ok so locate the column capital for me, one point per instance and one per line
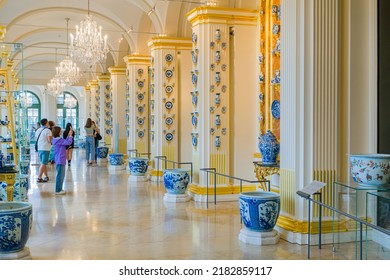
(117, 70)
(93, 83)
(207, 15)
(169, 43)
(137, 59)
(103, 78)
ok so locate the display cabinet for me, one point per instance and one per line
(356, 200)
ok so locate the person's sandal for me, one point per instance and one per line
(46, 179)
(39, 180)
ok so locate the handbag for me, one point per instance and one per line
(98, 136)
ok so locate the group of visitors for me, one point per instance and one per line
(52, 146)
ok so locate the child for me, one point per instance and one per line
(60, 155)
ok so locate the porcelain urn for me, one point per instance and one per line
(269, 148)
(176, 180)
(138, 166)
(259, 210)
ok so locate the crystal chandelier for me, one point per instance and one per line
(25, 100)
(88, 45)
(70, 102)
(67, 69)
(56, 86)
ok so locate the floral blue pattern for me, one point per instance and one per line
(176, 180)
(16, 223)
(102, 152)
(259, 210)
(138, 166)
(269, 148)
(116, 159)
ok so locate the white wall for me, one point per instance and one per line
(245, 101)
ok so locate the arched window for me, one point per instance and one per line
(33, 114)
(67, 110)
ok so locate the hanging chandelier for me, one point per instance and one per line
(25, 100)
(56, 86)
(67, 69)
(88, 45)
(70, 102)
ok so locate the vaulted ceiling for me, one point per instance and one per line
(41, 26)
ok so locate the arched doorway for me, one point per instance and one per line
(68, 110)
(33, 114)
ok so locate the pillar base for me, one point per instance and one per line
(20, 255)
(116, 167)
(258, 238)
(133, 178)
(176, 197)
(101, 161)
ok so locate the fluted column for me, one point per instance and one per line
(137, 102)
(95, 99)
(88, 104)
(165, 95)
(309, 105)
(105, 115)
(118, 91)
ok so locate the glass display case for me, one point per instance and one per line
(353, 199)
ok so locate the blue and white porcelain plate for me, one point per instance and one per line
(141, 84)
(194, 120)
(140, 71)
(168, 105)
(275, 28)
(194, 141)
(169, 137)
(194, 78)
(140, 96)
(194, 100)
(140, 121)
(194, 37)
(141, 109)
(168, 74)
(107, 86)
(275, 109)
(168, 121)
(168, 89)
(169, 58)
(140, 134)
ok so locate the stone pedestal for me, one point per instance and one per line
(258, 238)
(20, 255)
(116, 167)
(102, 161)
(176, 197)
(133, 178)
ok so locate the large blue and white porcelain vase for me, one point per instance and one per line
(138, 166)
(176, 180)
(269, 148)
(16, 223)
(21, 187)
(259, 210)
(116, 159)
(102, 152)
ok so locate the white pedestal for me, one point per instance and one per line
(101, 161)
(116, 167)
(20, 255)
(133, 178)
(258, 238)
(176, 197)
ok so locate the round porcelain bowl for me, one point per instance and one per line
(116, 159)
(16, 223)
(259, 210)
(102, 152)
(138, 166)
(370, 169)
(176, 180)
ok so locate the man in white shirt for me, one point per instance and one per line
(43, 136)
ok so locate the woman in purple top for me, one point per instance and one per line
(59, 145)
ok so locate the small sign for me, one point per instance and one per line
(311, 188)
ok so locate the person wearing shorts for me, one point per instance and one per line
(44, 137)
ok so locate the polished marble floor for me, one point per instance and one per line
(103, 216)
